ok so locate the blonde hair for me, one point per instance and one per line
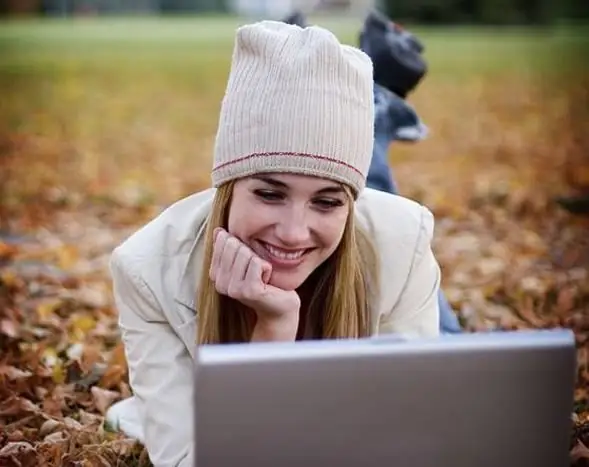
(341, 290)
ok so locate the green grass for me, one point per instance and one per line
(193, 41)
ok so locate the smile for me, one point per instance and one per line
(281, 257)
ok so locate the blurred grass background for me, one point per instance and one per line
(100, 106)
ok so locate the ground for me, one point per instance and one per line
(104, 123)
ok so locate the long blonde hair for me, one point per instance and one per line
(341, 290)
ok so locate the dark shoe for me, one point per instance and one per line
(395, 53)
(297, 18)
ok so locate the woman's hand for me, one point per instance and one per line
(242, 275)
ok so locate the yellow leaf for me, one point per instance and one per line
(9, 278)
(46, 309)
(79, 326)
(58, 373)
(67, 256)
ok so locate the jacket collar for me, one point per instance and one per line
(192, 270)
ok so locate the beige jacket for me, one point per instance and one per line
(155, 272)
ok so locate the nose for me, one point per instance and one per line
(292, 228)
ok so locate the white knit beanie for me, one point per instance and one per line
(297, 101)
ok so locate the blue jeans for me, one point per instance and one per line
(395, 120)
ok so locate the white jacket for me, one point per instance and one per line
(155, 272)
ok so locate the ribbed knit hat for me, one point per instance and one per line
(297, 101)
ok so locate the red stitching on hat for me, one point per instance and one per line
(280, 153)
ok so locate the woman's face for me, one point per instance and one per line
(295, 222)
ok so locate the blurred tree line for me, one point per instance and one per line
(414, 11)
(486, 11)
(73, 7)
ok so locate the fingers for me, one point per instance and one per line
(266, 272)
(225, 268)
(243, 257)
(254, 271)
(231, 270)
(253, 284)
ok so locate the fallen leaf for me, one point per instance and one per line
(13, 373)
(16, 405)
(89, 419)
(72, 424)
(103, 398)
(49, 426)
(9, 328)
(7, 251)
(56, 437)
(67, 256)
(20, 453)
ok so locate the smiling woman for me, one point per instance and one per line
(288, 244)
(297, 233)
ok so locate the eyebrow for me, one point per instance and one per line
(278, 184)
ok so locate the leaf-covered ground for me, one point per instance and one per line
(102, 124)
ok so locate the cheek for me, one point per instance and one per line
(247, 219)
(331, 230)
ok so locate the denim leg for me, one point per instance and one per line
(449, 323)
(380, 176)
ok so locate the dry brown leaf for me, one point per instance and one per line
(49, 426)
(9, 328)
(123, 447)
(92, 296)
(7, 251)
(72, 424)
(103, 398)
(16, 405)
(88, 419)
(56, 437)
(13, 373)
(19, 453)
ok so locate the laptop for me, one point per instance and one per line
(466, 400)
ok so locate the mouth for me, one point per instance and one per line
(282, 257)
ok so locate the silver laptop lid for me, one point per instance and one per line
(482, 400)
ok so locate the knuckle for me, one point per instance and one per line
(234, 291)
(221, 287)
(233, 243)
(245, 249)
(239, 252)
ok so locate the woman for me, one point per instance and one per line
(286, 245)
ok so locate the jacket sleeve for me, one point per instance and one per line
(160, 369)
(416, 313)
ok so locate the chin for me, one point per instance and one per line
(287, 281)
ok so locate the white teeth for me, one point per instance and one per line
(283, 254)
